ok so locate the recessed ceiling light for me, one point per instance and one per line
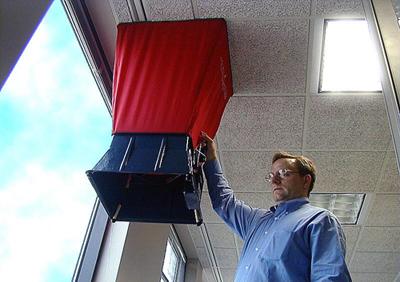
(349, 62)
(346, 207)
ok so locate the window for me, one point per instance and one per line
(174, 261)
(348, 62)
(54, 125)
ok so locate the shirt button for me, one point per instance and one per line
(276, 218)
(266, 232)
(256, 249)
(247, 267)
(286, 213)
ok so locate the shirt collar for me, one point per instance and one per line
(289, 205)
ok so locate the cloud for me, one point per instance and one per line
(44, 80)
(46, 217)
(54, 111)
(52, 75)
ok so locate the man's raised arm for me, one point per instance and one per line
(235, 213)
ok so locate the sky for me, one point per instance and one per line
(54, 126)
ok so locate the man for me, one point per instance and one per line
(292, 241)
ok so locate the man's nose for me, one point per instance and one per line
(276, 179)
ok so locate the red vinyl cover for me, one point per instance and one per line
(171, 77)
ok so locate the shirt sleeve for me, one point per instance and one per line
(328, 249)
(235, 213)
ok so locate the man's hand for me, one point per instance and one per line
(211, 153)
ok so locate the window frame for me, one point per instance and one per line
(78, 15)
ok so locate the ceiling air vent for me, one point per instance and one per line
(346, 207)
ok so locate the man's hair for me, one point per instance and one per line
(303, 164)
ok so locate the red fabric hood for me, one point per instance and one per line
(171, 77)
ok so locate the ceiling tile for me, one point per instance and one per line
(209, 215)
(390, 178)
(239, 244)
(226, 258)
(228, 274)
(351, 233)
(347, 260)
(262, 123)
(346, 171)
(343, 8)
(251, 9)
(385, 211)
(220, 235)
(168, 9)
(196, 236)
(268, 56)
(245, 171)
(373, 277)
(121, 11)
(380, 239)
(347, 123)
(208, 275)
(390, 146)
(375, 262)
(203, 258)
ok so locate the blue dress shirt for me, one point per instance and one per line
(293, 241)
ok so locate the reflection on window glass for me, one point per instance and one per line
(396, 7)
(349, 62)
(174, 260)
(54, 125)
(170, 263)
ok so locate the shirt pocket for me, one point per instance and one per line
(277, 246)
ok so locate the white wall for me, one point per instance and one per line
(143, 253)
(111, 252)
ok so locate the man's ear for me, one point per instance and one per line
(307, 182)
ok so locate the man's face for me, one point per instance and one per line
(291, 186)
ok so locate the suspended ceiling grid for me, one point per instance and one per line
(275, 47)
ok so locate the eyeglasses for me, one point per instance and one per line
(281, 174)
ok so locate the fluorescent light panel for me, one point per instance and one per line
(346, 207)
(349, 63)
